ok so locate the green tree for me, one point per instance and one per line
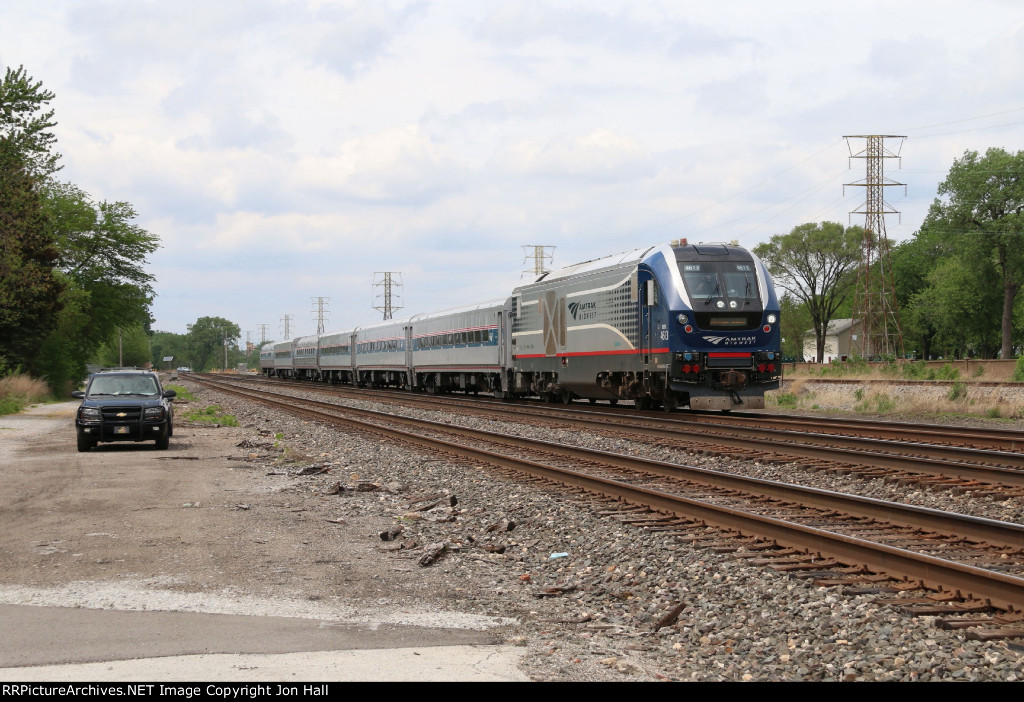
(795, 322)
(981, 205)
(30, 289)
(128, 347)
(166, 344)
(816, 264)
(101, 256)
(25, 123)
(959, 308)
(208, 339)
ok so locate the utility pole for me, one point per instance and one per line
(539, 254)
(875, 295)
(287, 321)
(391, 292)
(319, 310)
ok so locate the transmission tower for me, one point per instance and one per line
(539, 254)
(320, 312)
(874, 300)
(390, 294)
(287, 321)
(263, 333)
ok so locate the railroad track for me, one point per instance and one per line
(965, 460)
(846, 538)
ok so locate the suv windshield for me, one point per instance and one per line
(122, 385)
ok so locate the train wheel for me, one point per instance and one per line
(592, 400)
(614, 401)
(566, 397)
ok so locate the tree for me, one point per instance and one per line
(795, 321)
(101, 255)
(982, 205)
(816, 263)
(208, 338)
(30, 289)
(25, 125)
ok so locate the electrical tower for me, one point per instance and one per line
(539, 254)
(874, 301)
(263, 333)
(390, 294)
(319, 311)
(287, 321)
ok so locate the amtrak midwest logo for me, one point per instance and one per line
(583, 310)
(729, 340)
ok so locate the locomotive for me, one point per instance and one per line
(672, 325)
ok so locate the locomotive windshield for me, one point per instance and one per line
(721, 285)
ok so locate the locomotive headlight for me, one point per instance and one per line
(682, 319)
(771, 319)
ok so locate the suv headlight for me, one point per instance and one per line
(154, 413)
(89, 414)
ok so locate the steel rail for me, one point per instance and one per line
(925, 459)
(998, 589)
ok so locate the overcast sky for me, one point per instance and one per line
(287, 150)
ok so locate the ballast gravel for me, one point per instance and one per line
(583, 592)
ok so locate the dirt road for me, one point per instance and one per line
(147, 536)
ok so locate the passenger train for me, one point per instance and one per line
(671, 325)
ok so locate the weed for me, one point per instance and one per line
(181, 393)
(858, 394)
(884, 403)
(19, 390)
(993, 413)
(213, 415)
(978, 372)
(957, 391)
(786, 399)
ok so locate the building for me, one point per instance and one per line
(840, 335)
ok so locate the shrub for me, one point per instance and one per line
(958, 391)
(884, 403)
(1018, 370)
(786, 399)
(18, 390)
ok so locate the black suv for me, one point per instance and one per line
(124, 405)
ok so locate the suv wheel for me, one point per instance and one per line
(162, 443)
(85, 443)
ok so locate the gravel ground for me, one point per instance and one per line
(583, 592)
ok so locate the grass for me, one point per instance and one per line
(181, 393)
(19, 390)
(211, 414)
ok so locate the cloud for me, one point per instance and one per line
(399, 165)
(359, 33)
(601, 155)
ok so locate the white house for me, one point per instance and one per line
(840, 335)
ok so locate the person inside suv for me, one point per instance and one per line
(124, 406)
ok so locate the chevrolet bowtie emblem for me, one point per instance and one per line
(122, 414)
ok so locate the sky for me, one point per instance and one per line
(290, 150)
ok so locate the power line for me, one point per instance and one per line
(390, 293)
